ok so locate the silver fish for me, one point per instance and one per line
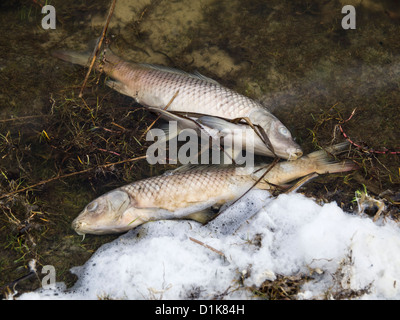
(195, 193)
(157, 86)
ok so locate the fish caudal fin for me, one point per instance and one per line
(324, 166)
(81, 58)
(318, 162)
(324, 163)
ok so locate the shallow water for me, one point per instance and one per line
(293, 56)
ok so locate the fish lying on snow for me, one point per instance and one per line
(156, 86)
(195, 193)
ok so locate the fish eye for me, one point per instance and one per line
(92, 206)
(283, 131)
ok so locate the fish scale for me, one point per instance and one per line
(163, 190)
(196, 94)
(158, 87)
(193, 192)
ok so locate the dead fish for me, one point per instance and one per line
(156, 86)
(194, 192)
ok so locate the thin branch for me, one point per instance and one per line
(97, 48)
(69, 175)
(208, 247)
(24, 118)
(158, 117)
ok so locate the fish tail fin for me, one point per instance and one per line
(81, 58)
(324, 162)
(318, 162)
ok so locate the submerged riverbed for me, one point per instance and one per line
(295, 57)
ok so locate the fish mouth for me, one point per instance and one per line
(82, 228)
(77, 226)
(294, 154)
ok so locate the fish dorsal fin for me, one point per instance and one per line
(203, 77)
(195, 75)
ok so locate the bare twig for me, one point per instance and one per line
(260, 132)
(97, 48)
(25, 118)
(208, 247)
(368, 150)
(69, 175)
(158, 117)
(276, 160)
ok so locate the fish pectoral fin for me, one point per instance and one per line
(205, 215)
(183, 122)
(118, 86)
(217, 123)
(169, 132)
(301, 182)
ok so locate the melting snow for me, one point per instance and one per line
(254, 240)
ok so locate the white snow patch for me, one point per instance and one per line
(255, 240)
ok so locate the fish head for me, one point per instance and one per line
(283, 143)
(106, 214)
(279, 136)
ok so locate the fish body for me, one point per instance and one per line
(192, 193)
(158, 86)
